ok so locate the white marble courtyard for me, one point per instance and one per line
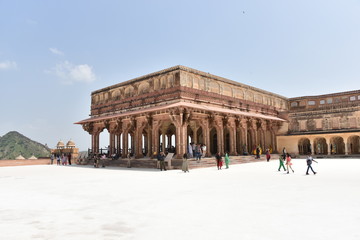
(247, 201)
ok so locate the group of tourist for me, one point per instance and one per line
(219, 162)
(63, 159)
(286, 157)
(99, 159)
(218, 157)
(196, 151)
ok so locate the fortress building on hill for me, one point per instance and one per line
(167, 110)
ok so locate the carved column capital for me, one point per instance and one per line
(88, 127)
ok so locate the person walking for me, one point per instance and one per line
(218, 160)
(309, 161)
(227, 160)
(281, 160)
(185, 163)
(288, 163)
(268, 156)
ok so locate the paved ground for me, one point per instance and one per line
(247, 201)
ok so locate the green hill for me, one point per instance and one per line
(13, 144)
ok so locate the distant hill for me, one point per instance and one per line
(13, 144)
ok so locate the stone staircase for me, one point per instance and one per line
(177, 163)
(211, 162)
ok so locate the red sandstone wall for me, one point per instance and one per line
(25, 162)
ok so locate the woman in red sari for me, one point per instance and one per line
(218, 160)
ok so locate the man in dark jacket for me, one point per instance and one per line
(161, 159)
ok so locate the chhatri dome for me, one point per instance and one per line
(60, 144)
(70, 144)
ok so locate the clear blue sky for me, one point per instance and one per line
(53, 54)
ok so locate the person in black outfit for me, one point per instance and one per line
(284, 152)
(161, 159)
(218, 160)
(69, 158)
(257, 152)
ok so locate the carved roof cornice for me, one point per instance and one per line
(339, 94)
(314, 112)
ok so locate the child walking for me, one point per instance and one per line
(288, 163)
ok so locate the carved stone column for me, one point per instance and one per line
(204, 123)
(155, 136)
(179, 118)
(219, 126)
(329, 146)
(253, 132)
(163, 142)
(141, 123)
(113, 128)
(273, 130)
(127, 124)
(169, 140)
(149, 142)
(263, 128)
(232, 131)
(195, 136)
(112, 142)
(98, 128)
(243, 122)
(347, 146)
